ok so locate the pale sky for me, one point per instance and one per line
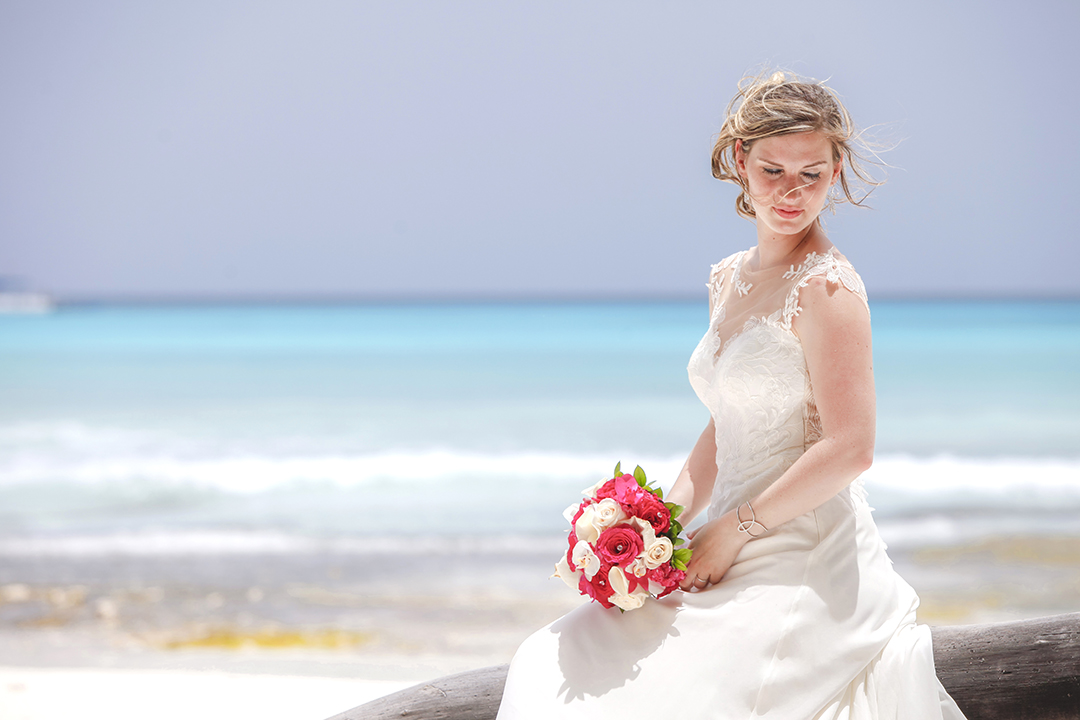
(512, 149)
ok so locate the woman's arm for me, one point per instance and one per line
(835, 332)
(693, 488)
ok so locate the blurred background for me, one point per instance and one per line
(314, 317)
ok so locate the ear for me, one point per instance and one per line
(836, 171)
(740, 159)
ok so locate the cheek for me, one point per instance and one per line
(760, 187)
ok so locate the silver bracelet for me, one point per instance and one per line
(747, 526)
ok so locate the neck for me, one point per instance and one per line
(774, 249)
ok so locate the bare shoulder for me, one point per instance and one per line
(831, 297)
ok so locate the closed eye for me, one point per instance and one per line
(807, 176)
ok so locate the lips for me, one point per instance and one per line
(786, 213)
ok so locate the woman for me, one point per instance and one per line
(792, 609)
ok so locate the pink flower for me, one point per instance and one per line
(627, 489)
(607, 490)
(666, 576)
(619, 545)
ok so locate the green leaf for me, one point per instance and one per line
(676, 510)
(639, 475)
(680, 557)
(679, 541)
(618, 469)
(659, 492)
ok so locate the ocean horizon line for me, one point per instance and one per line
(361, 300)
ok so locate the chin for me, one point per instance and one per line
(791, 227)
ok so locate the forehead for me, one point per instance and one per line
(794, 148)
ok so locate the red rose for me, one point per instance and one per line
(619, 545)
(597, 588)
(652, 510)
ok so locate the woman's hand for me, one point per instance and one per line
(716, 544)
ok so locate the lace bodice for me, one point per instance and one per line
(750, 371)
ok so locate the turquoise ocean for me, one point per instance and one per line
(245, 428)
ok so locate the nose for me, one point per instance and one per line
(791, 188)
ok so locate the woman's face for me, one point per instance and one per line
(789, 177)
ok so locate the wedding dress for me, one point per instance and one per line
(811, 621)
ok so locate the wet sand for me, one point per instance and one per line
(328, 622)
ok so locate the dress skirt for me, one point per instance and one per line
(811, 621)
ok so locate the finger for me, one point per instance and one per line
(698, 584)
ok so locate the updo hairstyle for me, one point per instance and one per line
(781, 104)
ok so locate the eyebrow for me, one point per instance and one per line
(773, 162)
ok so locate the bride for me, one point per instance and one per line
(791, 607)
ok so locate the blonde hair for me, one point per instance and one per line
(781, 104)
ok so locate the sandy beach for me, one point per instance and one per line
(307, 636)
(35, 694)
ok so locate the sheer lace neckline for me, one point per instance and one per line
(743, 277)
(789, 269)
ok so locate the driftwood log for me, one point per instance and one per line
(1027, 670)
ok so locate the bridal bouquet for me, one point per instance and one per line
(623, 543)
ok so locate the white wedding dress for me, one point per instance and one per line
(810, 622)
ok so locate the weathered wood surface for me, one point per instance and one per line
(1026, 670)
(472, 695)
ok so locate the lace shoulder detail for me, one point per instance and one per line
(834, 269)
(716, 279)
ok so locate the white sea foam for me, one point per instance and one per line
(938, 479)
(204, 542)
(252, 474)
(415, 502)
(945, 529)
(988, 477)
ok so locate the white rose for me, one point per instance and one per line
(564, 573)
(658, 553)
(585, 559)
(608, 512)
